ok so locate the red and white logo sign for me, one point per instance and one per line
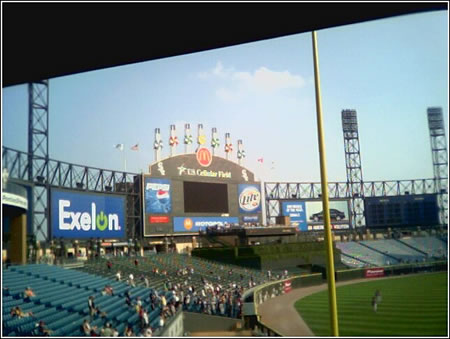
(204, 157)
(374, 272)
(287, 286)
(155, 219)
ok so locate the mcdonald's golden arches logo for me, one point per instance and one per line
(204, 157)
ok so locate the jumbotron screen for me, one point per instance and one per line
(202, 197)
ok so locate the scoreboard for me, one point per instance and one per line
(402, 211)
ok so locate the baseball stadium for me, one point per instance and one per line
(198, 245)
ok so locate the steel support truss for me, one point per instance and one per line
(38, 154)
(59, 174)
(276, 192)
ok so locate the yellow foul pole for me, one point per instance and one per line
(326, 210)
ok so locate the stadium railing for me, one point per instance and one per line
(257, 295)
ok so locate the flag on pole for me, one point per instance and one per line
(119, 147)
(135, 147)
(261, 160)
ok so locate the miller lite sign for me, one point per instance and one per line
(249, 198)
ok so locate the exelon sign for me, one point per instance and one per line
(84, 220)
(82, 215)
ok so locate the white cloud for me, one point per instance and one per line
(261, 81)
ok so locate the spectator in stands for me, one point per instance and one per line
(107, 331)
(144, 318)
(100, 313)
(109, 265)
(128, 299)
(136, 262)
(86, 327)
(118, 276)
(131, 280)
(128, 332)
(172, 308)
(42, 330)
(28, 293)
(147, 283)
(17, 312)
(146, 332)
(161, 319)
(91, 305)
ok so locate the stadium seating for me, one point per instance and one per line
(393, 248)
(61, 300)
(432, 246)
(365, 254)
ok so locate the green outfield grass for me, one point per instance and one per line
(411, 306)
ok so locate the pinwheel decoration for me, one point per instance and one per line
(241, 154)
(228, 148)
(173, 141)
(158, 144)
(188, 139)
(215, 142)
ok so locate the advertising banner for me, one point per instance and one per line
(195, 224)
(158, 219)
(250, 218)
(333, 227)
(297, 212)
(249, 198)
(157, 196)
(339, 212)
(85, 215)
(374, 272)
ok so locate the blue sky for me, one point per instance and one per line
(389, 70)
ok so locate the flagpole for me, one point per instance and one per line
(324, 181)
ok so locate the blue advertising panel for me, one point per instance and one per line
(297, 212)
(157, 196)
(195, 224)
(250, 218)
(84, 215)
(249, 198)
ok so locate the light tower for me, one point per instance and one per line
(38, 155)
(440, 161)
(353, 165)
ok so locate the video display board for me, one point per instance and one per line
(202, 197)
(402, 211)
(308, 214)
(85, 215)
